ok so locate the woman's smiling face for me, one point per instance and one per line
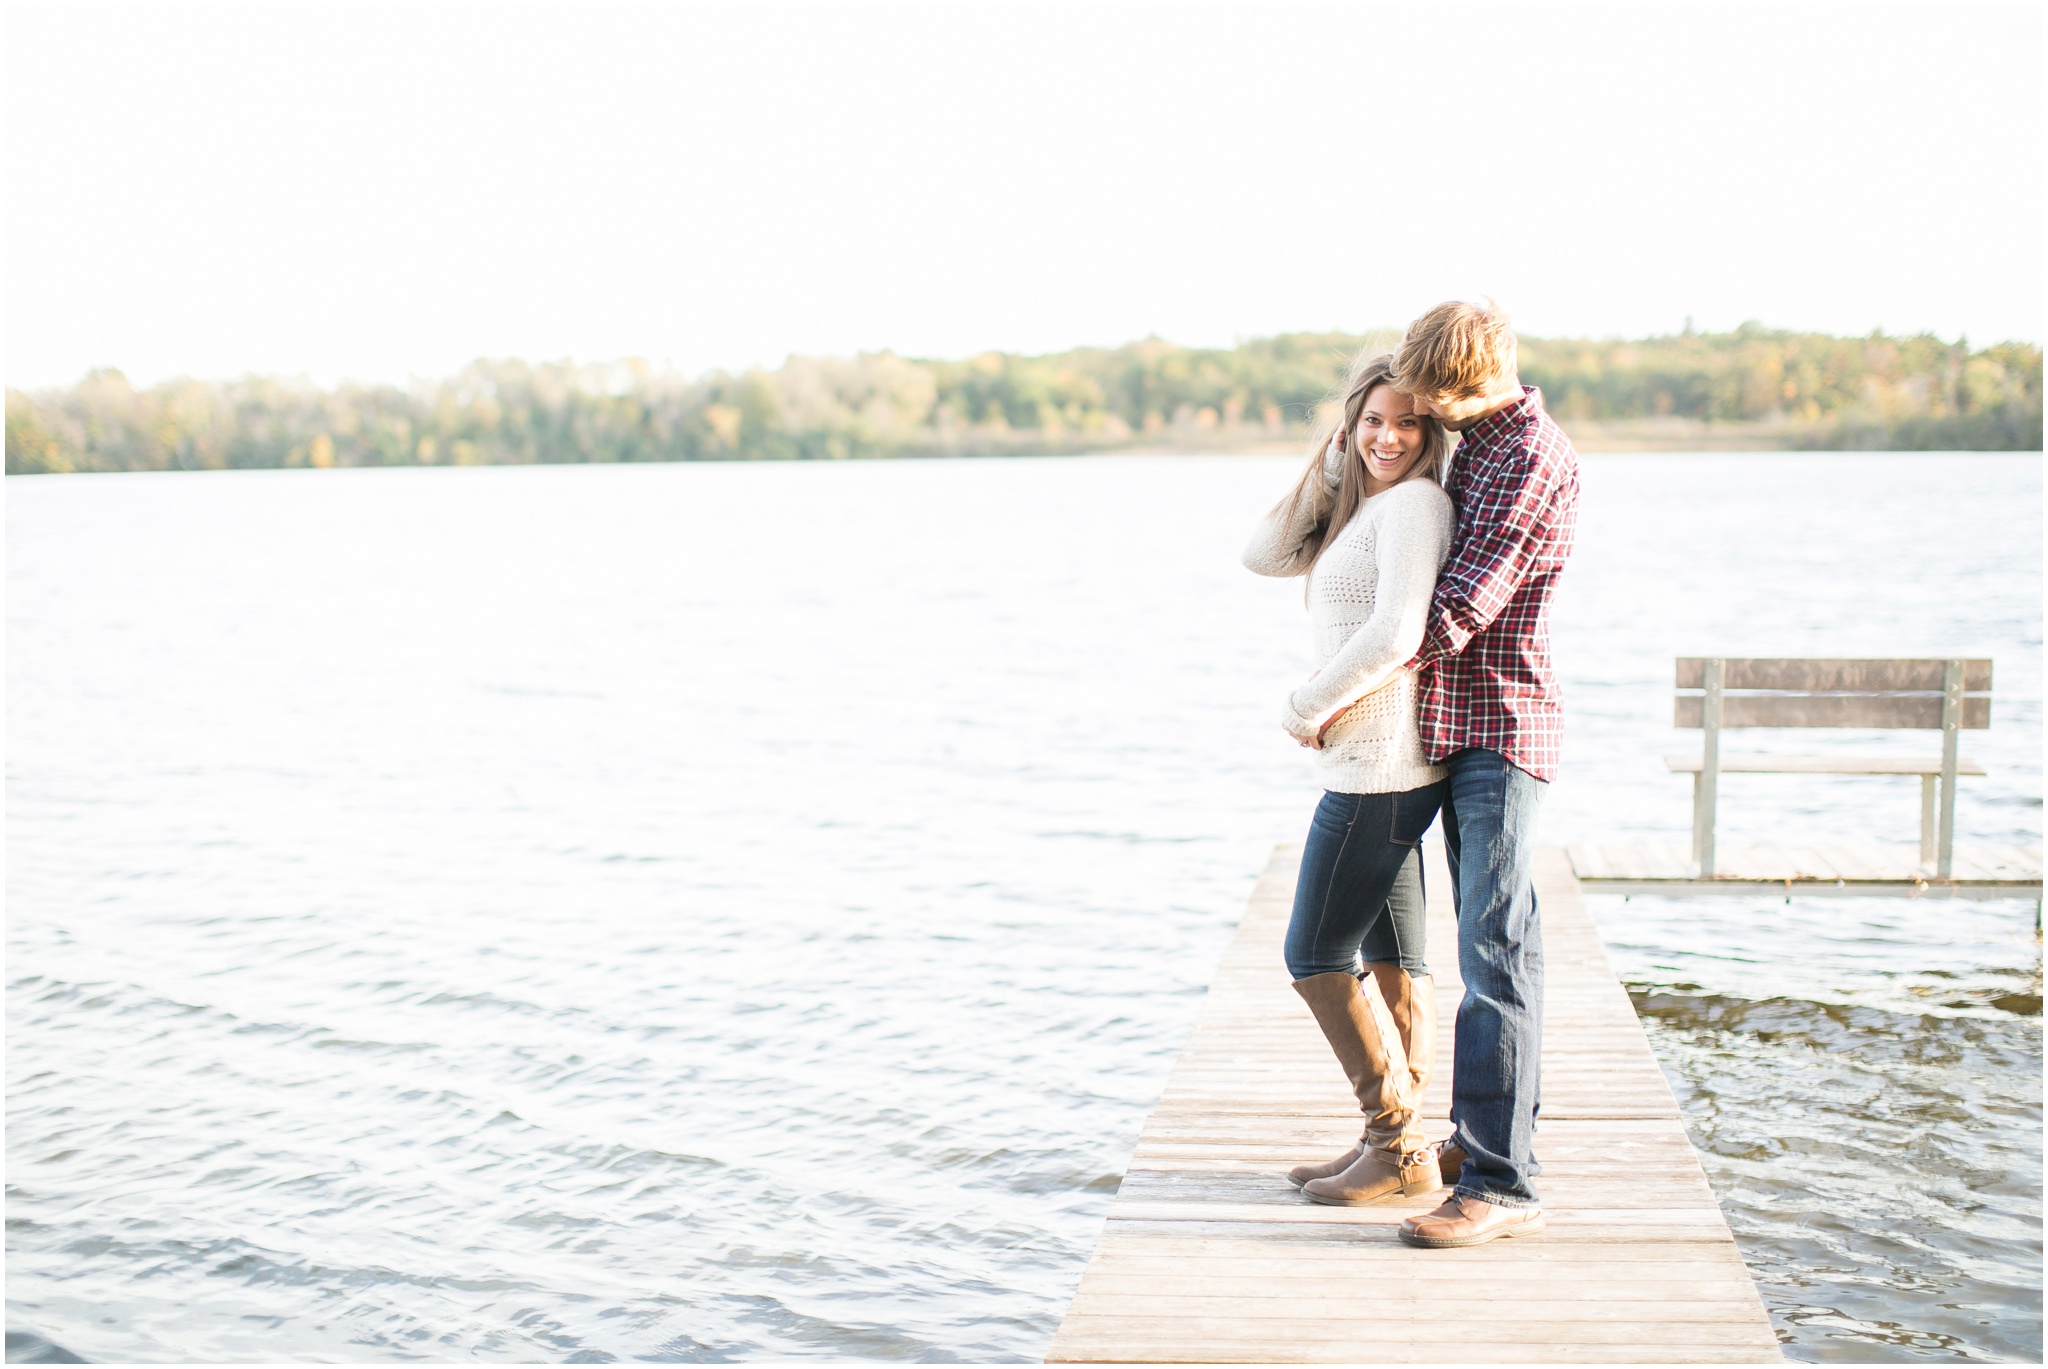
(1388, 437)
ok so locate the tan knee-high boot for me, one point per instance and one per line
(1389, 1158)
(1412, 1005)
(1411, 1002)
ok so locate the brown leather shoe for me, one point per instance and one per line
(1377, 1176)
(1301, 1174)
(1463, 1221)
(1450, 1159)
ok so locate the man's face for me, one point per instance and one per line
(1452, 413)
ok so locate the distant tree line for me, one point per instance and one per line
(1870, 393)
(1808, 390)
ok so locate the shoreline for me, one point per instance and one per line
(1640, 438)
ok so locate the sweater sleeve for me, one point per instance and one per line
(1408, 553)
(1279, 542)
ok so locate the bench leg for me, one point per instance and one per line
(1927, 819)
(1703, 824)
(1695, 819)
(1706, 785)
(1951, 729)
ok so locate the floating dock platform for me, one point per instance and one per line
(1838, 871)
(1210, 1256)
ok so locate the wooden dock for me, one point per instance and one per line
(1814, 870)
(1210, 1256)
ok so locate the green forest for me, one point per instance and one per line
(1754, 387)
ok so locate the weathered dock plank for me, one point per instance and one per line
(1210, 1256)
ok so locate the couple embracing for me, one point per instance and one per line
(1429, 583)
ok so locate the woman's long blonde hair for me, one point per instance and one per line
(1368, 373)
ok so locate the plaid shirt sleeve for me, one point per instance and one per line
(1504, 532)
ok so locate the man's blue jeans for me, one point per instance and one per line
(1489, 821)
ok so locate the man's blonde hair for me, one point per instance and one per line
(1455, 351)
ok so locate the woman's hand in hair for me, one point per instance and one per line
(1333, 461)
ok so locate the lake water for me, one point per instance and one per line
(720, 912)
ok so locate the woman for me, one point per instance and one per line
(1369, 525)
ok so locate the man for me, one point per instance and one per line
(1491, 713)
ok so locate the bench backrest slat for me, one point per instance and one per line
(1829, 710)
(1832, 676)
(1796, 691)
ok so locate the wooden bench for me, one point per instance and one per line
(1720, 692)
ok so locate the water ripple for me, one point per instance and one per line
(541, 915)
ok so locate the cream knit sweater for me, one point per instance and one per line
(1368, 602)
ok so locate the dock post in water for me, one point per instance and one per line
(1209, 1255)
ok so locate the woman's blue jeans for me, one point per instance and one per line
(1360, 896)
(1490, 842)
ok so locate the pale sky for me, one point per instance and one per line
(378, 193)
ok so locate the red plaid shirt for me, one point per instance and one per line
(1485, 658)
